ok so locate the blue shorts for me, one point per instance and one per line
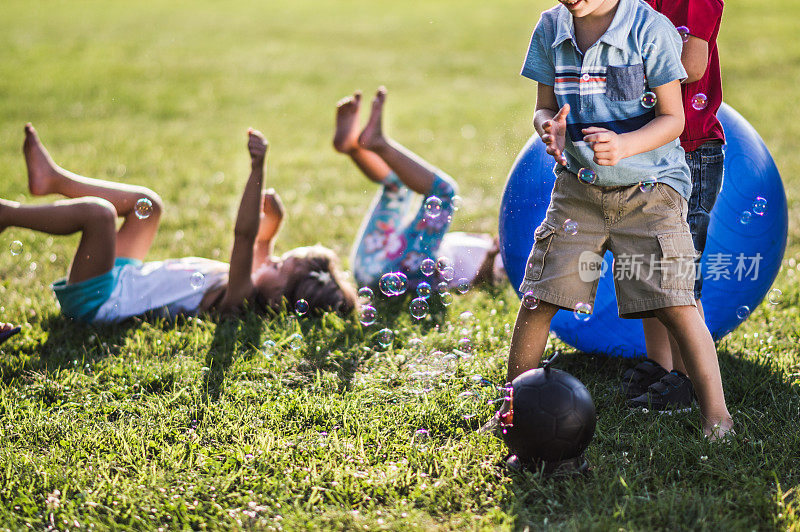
(706, 166)
(81, 301)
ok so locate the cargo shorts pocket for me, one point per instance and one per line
(677, 264)
(624, 82)
(543, 237)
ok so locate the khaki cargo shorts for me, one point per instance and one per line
(646, 230)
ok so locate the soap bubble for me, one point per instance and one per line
(529, 301)
(465, 345)
(442, 263)
(421, 434)
(433, 207)
(463, 285)
(683, 31)
(647, 184)
(582, 312)
(570, 227)
(427, 267)
(745, 218)
(197, 280)
(390, 284)
(775, 296)
(418, 308)
(368, 315)
(442, 288)
(296, 341)
(143, 208)
(365, 294)
(456, 202)
(648, 49)
(446, 298)
(403, 286)
(385, 337)
(699, 101)
(301, 306)
(743, 312)
(448, 273)
(466, 316)
(760, 206)
(415, 345)
(587, 175)
(15, 247)
(649, 100)
(268, 348)
(424, 290)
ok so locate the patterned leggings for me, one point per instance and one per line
(395, 238)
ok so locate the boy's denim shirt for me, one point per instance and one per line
(641, 49)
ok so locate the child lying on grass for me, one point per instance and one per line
(108, 280)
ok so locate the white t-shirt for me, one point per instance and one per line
(172, 287)
(468, 251)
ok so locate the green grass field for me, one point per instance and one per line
(194, 425)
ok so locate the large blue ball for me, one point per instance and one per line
(750, 172)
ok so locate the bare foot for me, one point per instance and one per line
(372, 137)
(42, 171)
(719, 431)
(345, 140)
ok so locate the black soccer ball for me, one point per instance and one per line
(552, 417)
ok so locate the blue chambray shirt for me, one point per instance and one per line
(641, 49)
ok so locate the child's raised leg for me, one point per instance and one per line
(95, 218)
(700, 357)
(135, 236)
(345, 139)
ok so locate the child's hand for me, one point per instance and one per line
(605, 144)
(257, 145)
(272, 213)
(555, 134)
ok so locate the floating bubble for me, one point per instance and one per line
(15, 247)
(365, 294)
(760, 206)
(466, 316)
(427, 267)
(143, 208)
(745, 218)
(699, 101)
(446, 298)
(433, 207)
(465, 345)
(390, 284)
(268, 348)
(647, 184)
(683, 31)
(529, 301)
(197, 280)
(424, 290)
(442, 288)
(456, 202)
(649, 100)
(582, 312)
(587, 175)
(415, 345)
(648, 49)
(421, 434)
(448, 273)
(385, 337)
(463, 285)
(442, 263)
(743, 312)
(775, 296)
(418, 308)
(368, 315)
(296, 341)
(403, 286)
(301, 307)
(570, 227)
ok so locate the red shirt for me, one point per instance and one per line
(703, 18)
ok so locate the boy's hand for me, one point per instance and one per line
(606, 145)
(272, 213)
(555, 134)
(257, 145)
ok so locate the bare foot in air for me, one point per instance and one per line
(372, 137)
(42, 171)
(345, 140)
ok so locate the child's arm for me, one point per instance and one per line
(550, 121)
(240, 285)
(694, 58)
(272, 214)
(610, 147)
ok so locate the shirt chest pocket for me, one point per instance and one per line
(624, 82)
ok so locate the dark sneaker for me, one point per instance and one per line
(637, 379)
(674, 393)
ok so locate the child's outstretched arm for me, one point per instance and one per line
(551, 122)
(609, 147)
(240, 285)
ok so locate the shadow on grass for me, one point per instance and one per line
(646, 466)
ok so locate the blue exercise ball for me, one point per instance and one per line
(738, 237)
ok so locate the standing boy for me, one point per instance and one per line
(660, 382)
(609, 109)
